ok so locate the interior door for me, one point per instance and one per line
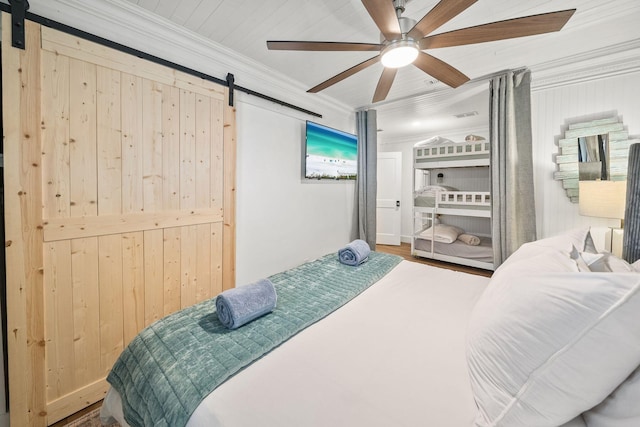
(119, 209)
(388, 209)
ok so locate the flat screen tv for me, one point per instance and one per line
(329, 153)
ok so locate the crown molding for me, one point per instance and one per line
(126, 23)
(619, 59)
(614, 60)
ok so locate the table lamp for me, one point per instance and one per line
(605, 199)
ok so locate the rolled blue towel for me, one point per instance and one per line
(355, 253)
(243, 304)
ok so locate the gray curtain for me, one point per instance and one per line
(513, 203)
(366, 186)
(631, 233)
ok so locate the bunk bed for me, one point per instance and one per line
(435, 206)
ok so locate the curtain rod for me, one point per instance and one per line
(229, 82)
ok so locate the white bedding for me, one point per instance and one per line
(482, 252)
(394, 356)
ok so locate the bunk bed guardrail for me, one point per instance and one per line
(456, 150)
(464, 198)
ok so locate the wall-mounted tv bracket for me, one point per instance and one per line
(18, 11)
(231, 84)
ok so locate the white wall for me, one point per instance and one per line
(283, 219)
(552, 109)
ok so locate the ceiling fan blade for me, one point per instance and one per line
(442, 13)
(322, 46)
(502, 30)
(384, 84)
(440, 70)
(384, 15)
(343, 75)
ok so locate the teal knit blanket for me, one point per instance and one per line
(172, 365)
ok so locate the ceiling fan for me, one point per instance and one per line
(403, 40)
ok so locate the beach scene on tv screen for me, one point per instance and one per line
(331, 154)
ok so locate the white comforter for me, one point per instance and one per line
(394, 356)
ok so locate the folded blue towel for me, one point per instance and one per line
(355, 253)
(243, 304)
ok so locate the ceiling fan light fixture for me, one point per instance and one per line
(399, 53)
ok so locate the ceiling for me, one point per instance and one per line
(416, 103)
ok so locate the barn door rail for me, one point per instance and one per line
(19, 12)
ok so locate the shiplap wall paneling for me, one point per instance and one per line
(130, 172)
(552, 110)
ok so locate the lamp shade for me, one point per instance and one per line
(604, 199)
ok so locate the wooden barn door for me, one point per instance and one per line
(119, 184)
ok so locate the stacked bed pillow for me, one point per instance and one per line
(556, 335)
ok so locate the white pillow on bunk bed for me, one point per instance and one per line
(436, 188)
(434, 140)
(432, 191)
(549, 343)
(442, 233)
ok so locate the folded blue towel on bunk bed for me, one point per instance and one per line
(241, 305)
(355, 253)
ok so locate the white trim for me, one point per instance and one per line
(619, 59)
(443, 95)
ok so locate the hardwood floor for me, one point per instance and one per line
(74, 419)
(404, 250)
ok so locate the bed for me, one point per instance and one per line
(444, 197)
(415, 347)
(470, 209)
(482, 253)
(447, 242)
